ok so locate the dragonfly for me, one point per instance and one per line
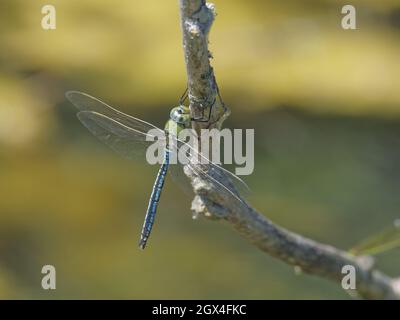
(129, 136)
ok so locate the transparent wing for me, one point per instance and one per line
(85, 102)
(123, 133)
(213, 172)
(218, 177)
(126, 141)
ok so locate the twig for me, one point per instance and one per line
(305, 254)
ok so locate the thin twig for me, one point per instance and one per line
(305, 254)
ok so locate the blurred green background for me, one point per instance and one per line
(324, 102)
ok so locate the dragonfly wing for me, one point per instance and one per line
(218, 177)
(219, 182)
(213, 171)
(123, 133)
(233, 182)
(85, 102)
(125, 140)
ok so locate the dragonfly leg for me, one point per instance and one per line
(211, 108)
(183, 97)
(203, 118)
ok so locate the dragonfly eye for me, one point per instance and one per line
(179, 115)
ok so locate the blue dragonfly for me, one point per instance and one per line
(129, 136)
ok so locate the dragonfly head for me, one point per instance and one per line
(179, 119)
(181, 116)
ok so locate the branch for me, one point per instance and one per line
(305, 254)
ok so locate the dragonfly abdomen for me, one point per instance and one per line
(153, 202)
